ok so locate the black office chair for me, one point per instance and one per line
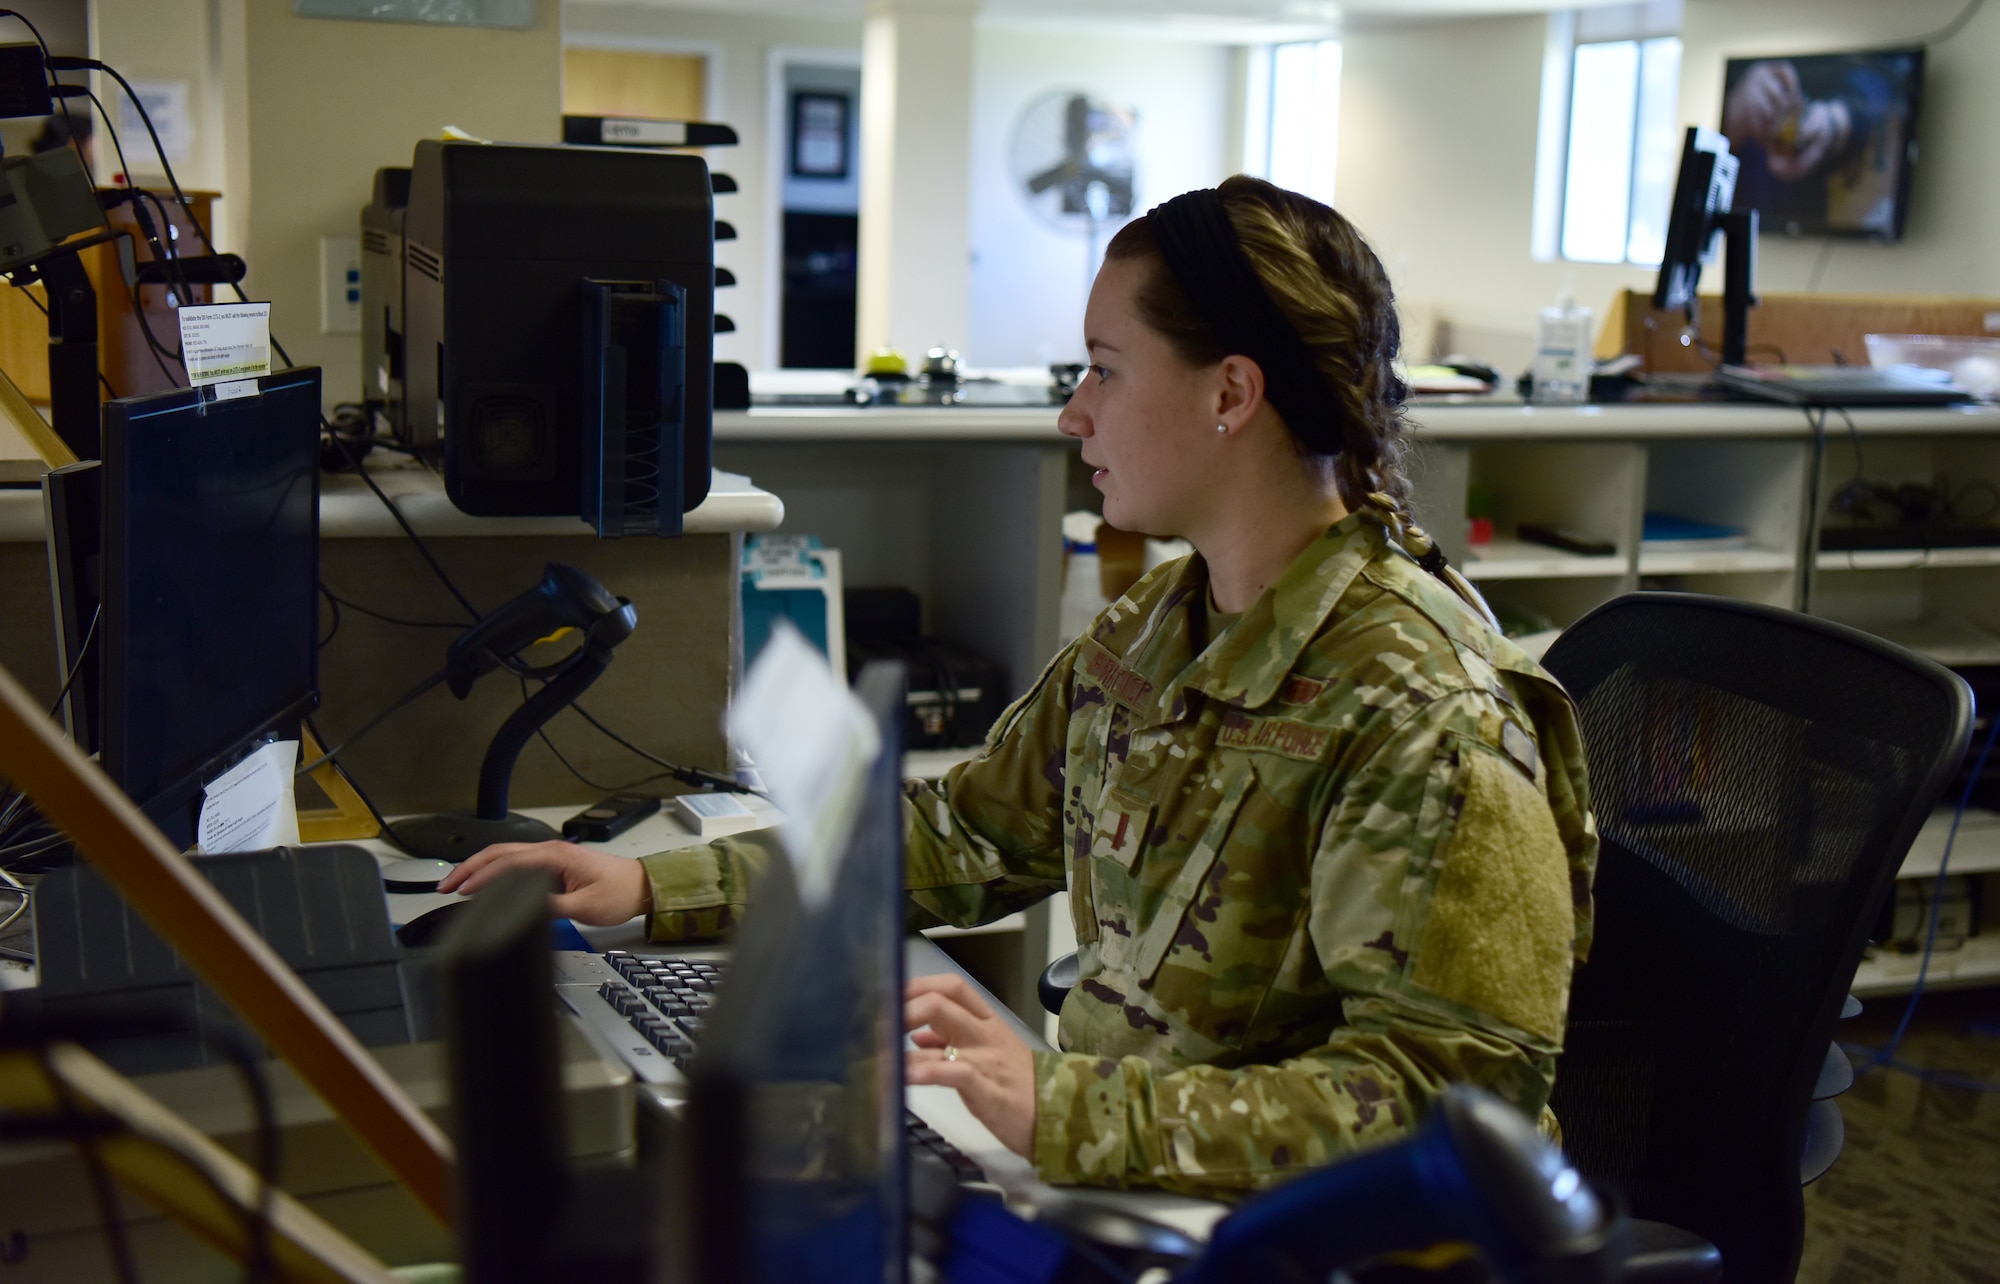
(1757, 776)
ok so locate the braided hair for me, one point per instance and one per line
(1330, 288)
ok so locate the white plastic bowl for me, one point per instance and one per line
(1973, 363)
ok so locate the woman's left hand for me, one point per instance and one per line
(962, 1044)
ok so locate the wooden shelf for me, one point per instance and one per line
(1515, 559)
(1977, 962)
(1738, 561)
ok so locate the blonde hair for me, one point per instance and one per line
(1331, 289)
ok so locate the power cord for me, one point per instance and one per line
(384, 616)
(404, 701)
(117, 1242)
(82, 655)
(14, 885)
(1953, 27)
(48, 60)
(43, 308)
(333, 629)
(1819, 266)
(686, 775)
(543, 733)
(160, 151)
(348, 776)
(423, 549)
(84, 1130)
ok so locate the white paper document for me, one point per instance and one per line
(250, 806)
(813, 741)
(225, 341)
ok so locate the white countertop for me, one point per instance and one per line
(348, 511)
(1432, 418)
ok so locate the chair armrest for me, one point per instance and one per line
(1056, 981)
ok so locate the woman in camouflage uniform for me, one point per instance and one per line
(1325, 832)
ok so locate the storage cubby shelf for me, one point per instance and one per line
(1906, 559)
(1742, 561)
(1514, 559)
(1977, 962)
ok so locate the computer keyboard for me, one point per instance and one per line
(664, 1002)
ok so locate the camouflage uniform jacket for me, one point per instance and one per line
(1333, 862)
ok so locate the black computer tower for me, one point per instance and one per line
(499, 241)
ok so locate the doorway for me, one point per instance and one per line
(627, 82)
(817, 137)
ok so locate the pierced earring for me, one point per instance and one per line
(1222, 428)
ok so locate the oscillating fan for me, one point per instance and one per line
(1072, 157)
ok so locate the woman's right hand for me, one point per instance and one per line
(595, 888)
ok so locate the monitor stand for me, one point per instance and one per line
(1739, 271)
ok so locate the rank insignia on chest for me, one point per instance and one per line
(1122, 822)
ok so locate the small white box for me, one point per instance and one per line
(713, 815)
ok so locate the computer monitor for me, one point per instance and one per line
(1700, 214)
(559, 309)
(209, 586)
(1827, 140)
(797, 1172)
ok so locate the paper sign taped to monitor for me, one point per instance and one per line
(252, 805)
(225, 341)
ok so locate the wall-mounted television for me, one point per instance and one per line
(1827, 141)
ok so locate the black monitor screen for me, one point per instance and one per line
(211, 567)
(1702, 191)
(1826, 140)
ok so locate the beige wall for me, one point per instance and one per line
(739, 49)
(1437, 158)
(166, 40)
(331, 101)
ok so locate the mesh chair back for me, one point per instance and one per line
(1757, 776)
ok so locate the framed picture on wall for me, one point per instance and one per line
(819, 134)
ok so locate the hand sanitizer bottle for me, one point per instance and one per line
(1562, 352)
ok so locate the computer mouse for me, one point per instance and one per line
(415, 875)
(425, 929)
